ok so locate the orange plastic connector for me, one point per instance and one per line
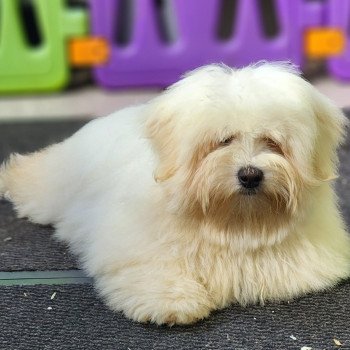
(88, 51)
(324, 42)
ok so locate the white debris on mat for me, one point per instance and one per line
(49, 308)
(306, 348)
(293, 337)
(53, 295)
(337, 342)
(25, 294)
(7, 239)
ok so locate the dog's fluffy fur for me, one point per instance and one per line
(150, 200)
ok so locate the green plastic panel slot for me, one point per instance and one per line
(33, 43)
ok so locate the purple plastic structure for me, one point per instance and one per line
(339, 16)
(147, 60)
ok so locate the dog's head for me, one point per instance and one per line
(243, 148)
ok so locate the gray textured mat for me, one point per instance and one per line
(24, 246)
(343, 182)
(24, 137)
(78, 320)
(27, 247)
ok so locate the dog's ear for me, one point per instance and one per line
(331, 130)
(161, 130)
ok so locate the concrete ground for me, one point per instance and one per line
(86, 102)
(94, 102)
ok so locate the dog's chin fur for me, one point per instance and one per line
(249, 219)
(150, 199)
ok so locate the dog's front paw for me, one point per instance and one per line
(161, 301)
(170, 311)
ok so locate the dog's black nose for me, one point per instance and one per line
(250, 177)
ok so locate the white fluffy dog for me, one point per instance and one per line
(217, 191)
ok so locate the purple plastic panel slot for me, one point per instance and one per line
(147, 59)
(339, 16)
(313, 13)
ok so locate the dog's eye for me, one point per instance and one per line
(273, 145)
(227, 141)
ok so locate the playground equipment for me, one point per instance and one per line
(153, 42)
(165, 38)
(33, 51)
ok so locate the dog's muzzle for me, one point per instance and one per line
(250, 179)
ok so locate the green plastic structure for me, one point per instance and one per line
(39, 63)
